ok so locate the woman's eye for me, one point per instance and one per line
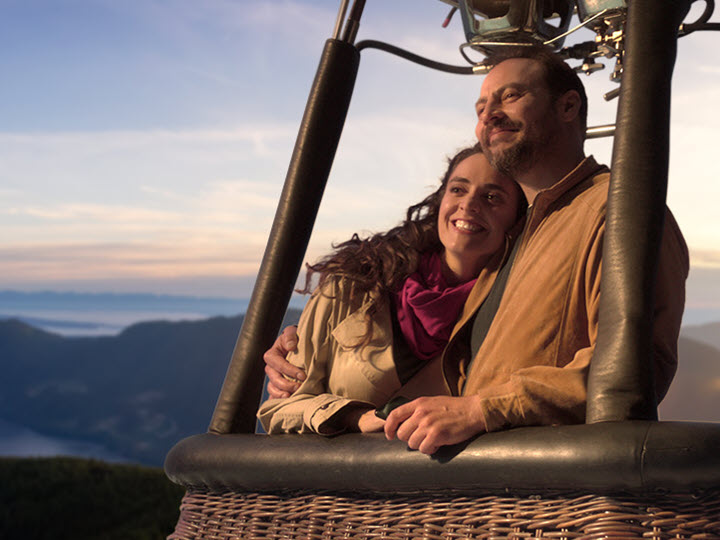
(494, 198)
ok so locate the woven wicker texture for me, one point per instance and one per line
(311, 515)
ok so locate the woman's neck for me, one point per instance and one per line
(456, 271)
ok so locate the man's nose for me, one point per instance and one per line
(491, 112)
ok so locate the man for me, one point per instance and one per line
(529, 367)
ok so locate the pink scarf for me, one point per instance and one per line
(427, 308)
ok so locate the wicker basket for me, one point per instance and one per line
(309, 515)
(616, 480)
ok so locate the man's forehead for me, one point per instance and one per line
(525, 71)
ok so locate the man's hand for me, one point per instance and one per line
(276, 365)
(428, 423)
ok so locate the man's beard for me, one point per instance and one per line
(532, 142)
(515, 159)
(521, 156)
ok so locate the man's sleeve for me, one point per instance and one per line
(669, 303)
(542, 395)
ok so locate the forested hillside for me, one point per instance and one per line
(75, 499)
(140, 392)
(137, 393)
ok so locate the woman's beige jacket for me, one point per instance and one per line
(341, 374)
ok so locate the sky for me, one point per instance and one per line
(144, 143)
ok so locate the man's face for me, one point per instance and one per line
(516, 117)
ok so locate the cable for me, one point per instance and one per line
(407, 55)
(579, 26)
(709, 8)
(449, 17)
(700, 24)
(686, 29)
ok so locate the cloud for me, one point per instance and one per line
(703, 287)
(62, 262)
(96, 213)
(706, 258)
(189, 21)
(285, 16)
(138, 178)
(130, 204)
(92, 143)
(146, 204)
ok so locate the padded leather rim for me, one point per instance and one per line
(604, 457)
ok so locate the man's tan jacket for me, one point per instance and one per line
(533, 364)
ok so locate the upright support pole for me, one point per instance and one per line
(307, 175)
(621, 383)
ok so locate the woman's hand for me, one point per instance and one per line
(369, 423)
(363, 420)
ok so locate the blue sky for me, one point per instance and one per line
(144, 143)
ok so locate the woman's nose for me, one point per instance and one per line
(471, 204)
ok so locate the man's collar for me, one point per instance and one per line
(587, 167)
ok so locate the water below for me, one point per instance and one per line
(19, 441)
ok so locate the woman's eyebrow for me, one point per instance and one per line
(487, 187)
(497, 187)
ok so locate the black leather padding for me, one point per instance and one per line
(621, 378)
(310, 165)
(633, 456)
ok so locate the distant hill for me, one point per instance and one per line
(136, 393)
(141, 391)
(695, 392)
(106, 314)
(77, 499)
(705, 333)
(13, 300)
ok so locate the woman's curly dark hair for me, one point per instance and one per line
(383, 261)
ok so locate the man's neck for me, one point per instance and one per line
(546, 173)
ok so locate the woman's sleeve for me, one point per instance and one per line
(312, 409)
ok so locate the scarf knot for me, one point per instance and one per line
(427, 307)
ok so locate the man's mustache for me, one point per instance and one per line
(504, 123)
(500, 123)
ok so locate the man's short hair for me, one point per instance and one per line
(559, 76)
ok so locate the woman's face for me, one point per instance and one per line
(478, 207)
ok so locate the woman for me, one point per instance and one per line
(385, 306)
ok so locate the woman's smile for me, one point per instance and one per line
(464, 225)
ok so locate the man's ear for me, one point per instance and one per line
(568, 105)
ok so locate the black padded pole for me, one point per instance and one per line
(307, 175)
(621, 383)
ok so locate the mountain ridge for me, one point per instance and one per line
(139, 392)
(136, 393)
